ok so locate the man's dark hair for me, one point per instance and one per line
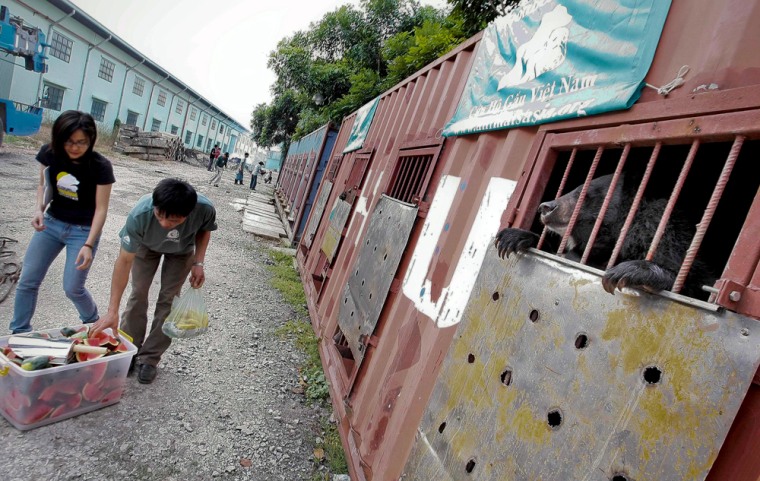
(69, 122)
(174, 197)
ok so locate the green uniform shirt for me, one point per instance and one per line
(142, 228)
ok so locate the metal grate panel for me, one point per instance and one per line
(551, 378)
(316, 214)
(374, 270)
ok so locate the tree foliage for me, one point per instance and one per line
(350, 56)
(477, 14)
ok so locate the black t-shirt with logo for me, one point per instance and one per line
(75, 183)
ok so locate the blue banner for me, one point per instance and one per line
(549, 60)
(360, 129)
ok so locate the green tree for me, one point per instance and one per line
(477, 14)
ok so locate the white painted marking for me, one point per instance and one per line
(363, 209)
(449, 308)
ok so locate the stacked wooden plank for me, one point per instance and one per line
(149, 145)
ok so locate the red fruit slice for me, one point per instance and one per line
(83, 356)
(61, 389)
(103, 339)
(112, 396)
(36, 414)
(59, 411)
(95, 372)
(92, 393)
(74, 401)
(17, 401)
(121, 347)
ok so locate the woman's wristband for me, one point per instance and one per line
(88, 245)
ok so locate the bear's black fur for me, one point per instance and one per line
(631, 270)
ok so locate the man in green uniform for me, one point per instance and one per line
(174, 223)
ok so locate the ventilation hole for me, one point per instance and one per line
(374, 249)
(652, 375)
(362, 282)
(506, 377)
(345, 301)
(441, 427)
(581, 342)
(495, 296)
(534, 316)
(370, 295)
(367, 241)
(619, 477)
(352, 313)
(385, 256)
(356, 273)
(471, 358)
(470, 466)
(554, 418)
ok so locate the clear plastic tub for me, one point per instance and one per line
(30, 399)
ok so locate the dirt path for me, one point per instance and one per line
(221, 401)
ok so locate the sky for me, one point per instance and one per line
(217, 47)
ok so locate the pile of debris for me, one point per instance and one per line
(149, 145)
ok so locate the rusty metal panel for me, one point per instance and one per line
(336, 224)
(551, 378)
(316, 215)
(375, 267)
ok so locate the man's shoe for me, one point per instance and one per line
(146, 373)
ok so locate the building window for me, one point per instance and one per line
(53, 97)
(208, 144)
(199, 143)
(139, 87)
(60, 47)
(132, 117)
(156, 126)
(106, 69)
(193, 113)
(98, 110)
(175, 129)
(188, 137)
(204, 120)
(161, 98)
(213, 124)
(221, 128)
(180, 106)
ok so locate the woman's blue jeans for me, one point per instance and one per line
(42, 251)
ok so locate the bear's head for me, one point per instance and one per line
(555, 214)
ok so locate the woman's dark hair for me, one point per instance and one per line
(174, 197)
(69, 122)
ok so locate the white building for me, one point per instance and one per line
(93, 70)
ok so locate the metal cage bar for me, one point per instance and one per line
(559, 191)
(581, 199)
(606, 203)
(712, 205)
(635, 205)
(673, 199)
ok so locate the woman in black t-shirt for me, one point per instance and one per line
(75, 182)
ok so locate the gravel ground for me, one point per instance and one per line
(223, 405)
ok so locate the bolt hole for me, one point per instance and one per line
(619, 477)
(470, 466)
(581, 342)
(441, 427)
(370, 295)
(352, 313)
(374, 249)
(652, 375)
(367, 241)
(385, 256)
(534, 316)
(471, 358)
(745, 332)
(495, 296)
(362, 281)
(554, 418)
(345, 301)
(506, 377)
(356, 273)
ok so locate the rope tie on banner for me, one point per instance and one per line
(673, 84)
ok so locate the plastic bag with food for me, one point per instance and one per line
(188, 317)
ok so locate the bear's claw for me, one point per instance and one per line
(511, 240)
